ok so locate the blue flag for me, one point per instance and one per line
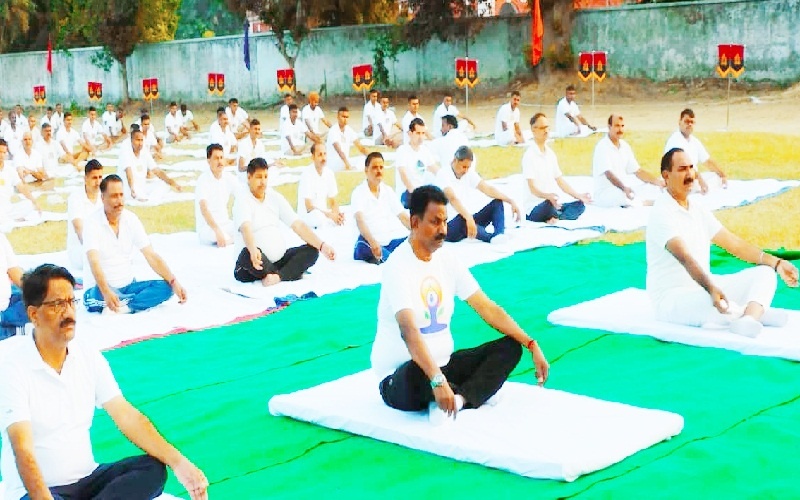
(247, 44)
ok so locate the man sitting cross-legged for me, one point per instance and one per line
(110, 236)
(679, 278)
(413, 349)
(317, 190)
(257, 214)
(81, 203)
(211, 197)
(382, 221)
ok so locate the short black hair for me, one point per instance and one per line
(91, 166)
(292, 106)
(536, 117)
(220, 111)
(107, 180)
(463, 153)
(173, 103)
(183, 107)
(343, 109)
(211, 148)
(35, 283)
(257, 164)
(254, 122)
(413, 125)
(315, 145)
(144, 117)
(570, 88)
(423, 196)
(372, 156)
(46, 125)
(66, 113)
(233, 100)
(666, 160)
(450, 119)
(92, 108)
(412, 97)
(515, 93)
(687, 112)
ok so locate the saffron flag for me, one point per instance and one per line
(49, 64)
(600, 64)
(537, 37)
(461, 72)
(585, 66)
(247, 44)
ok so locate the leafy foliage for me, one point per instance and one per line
(439, 19)
(15, 17)
(386, 46)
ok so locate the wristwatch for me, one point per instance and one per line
(438, 380)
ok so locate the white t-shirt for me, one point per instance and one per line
(386, 119)
(79, 206)
(313, 116)
(565, 126)
(295, 131)
(216, 193)
(92, 130)
(9, 180)
(8, 260)
(59, 407)
(607, 157)
(51, 152)
(247, 151)
(57, 121)
(27, 161)
(446, 146)
(691, 146)
(380, 212)
(139, 166)
(345, 138)
(542, 168)
(115, 251)
(440, 112)
(283, 116)
(428, 289)
(173, 123)
(187, 117)
(415, 164)
(695, 226)
(68, 139)
(225, 139)
(108, 119)
(465, 189)
(150, 137)
(236, 119)
(316, 187)
(508, 116)
(407, 119)
(370, 112)
(264, 218)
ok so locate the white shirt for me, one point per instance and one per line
(91, 130)
(216, 193)
(508, 116)
(407, 119)
(50, 151)
(109, 120)
(345, 138)
(446, 145)
(440, 112)
(607, 157)
(9, 180)
(226, 139)
(57, 121)
(68, 139)
(79, 206)
(542, 168)
(415, 164)
(59, 407)
(248, 150)
(173, 123)
(313, 116)
(139, 166)
(115, 251)
(236, 119)
(380, 213)
(565, 126)
(691, 146)
(264, 218)
(283, 116)
(295, 131)
(186, 117)
(150, 138)
(695, 226)
(386, 119)
(465, 189)
(27, 161)
(8, 260)
(370, 112)
(428, 289)
(316, 187)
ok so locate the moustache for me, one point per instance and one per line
(440, 236)
(67, 322)
(689, 180)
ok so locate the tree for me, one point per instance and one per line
(439, 18)
(15, 16)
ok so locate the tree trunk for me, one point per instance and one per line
(123, 65)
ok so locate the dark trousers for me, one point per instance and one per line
(545, 211)
(493, 214)
(476, 374)
(290, 267)
(134, 478)
(15, 316)
(363, 251)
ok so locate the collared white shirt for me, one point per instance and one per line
(407, 119)
(691, 146)
(32, 161)
(139, 166)
(173, 123)
(380, 213)
(217, 194)
(68, 139)
(59, 407)
(465, 189)
(79, 206)
(508, 116)
(50, 151)
(542, 168)
(115, 251)
(565, 126)
(225, 138)
(316, 187)
(415, 163)
(345, 139)
(314, 116)
(370, 112)
(236, 120)
(386, 119)
(440, 112)
(91, 130)
(446, 146)
(295, 131)
(264, 218)
(620, 161)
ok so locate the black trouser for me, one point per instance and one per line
(134, 478)
(290, 267)
(476, 374)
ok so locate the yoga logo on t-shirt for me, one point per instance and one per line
(431, 293)
(420, 167)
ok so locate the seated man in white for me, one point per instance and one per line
(415, 164)
(109, 117)
(450, 139)
(173, 124)
(214, 190)
(679, 279)
(49, 149)
(82, 203)
(445, 108)
(569, 120)
(382, 221)
(461, 183)
(74, 148)
(257, 214)
(50, 387)
(411, 115)
(386, 130)
(94, 134)
(341, 137)
(36, 132)
(57, 120)
(545, 198)
(188, 118)
(29, 161)
(222, 134)
(506, 125)
(613, 164)
(316, 192)
(288, 100)
(13, 317)
(293, 134)
(252, 146)
(413, 353)
(684, 139)
(237, 118)
(117, 130)
(13, 133)
(371, 108)
(313, 115)
(9, 183)
(136, 167)
(152, 142)
(110, 236)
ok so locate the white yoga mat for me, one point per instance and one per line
(630, 311)
(33, 219)
(565, 435)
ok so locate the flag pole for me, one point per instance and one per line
(728, 114)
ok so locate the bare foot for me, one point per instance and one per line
(552, 220)
(271, 279)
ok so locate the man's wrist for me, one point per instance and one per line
(438, 380)
(777, 264)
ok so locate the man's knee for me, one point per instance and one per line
(510, 350)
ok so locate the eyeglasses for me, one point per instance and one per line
(60, 305)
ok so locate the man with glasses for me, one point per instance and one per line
(49, 388)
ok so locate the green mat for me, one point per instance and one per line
(208, 391)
